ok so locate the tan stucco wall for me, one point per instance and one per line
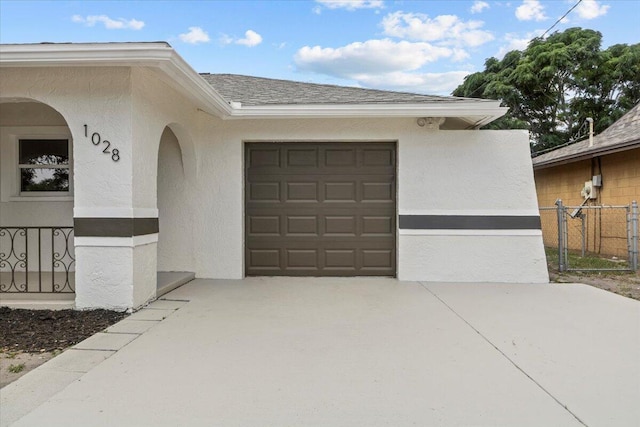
(606, 230)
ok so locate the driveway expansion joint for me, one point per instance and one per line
(564, 406)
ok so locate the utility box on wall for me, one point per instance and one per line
(589, 191)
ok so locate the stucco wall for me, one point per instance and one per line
(100, 98)
(469, 173)
(202, 204)
(175, 212)
(443, 172)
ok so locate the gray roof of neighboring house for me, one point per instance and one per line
(623, 134)
(256, 91)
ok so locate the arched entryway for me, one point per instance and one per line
(37, 257)
(175, 239)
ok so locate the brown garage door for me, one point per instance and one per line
(320, 209)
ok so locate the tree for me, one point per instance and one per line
(556, 83)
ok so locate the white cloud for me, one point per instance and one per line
(109, 24)
(447, 29)
(479, 6)
(430, 83)
(251, 38)
(530, 10)
(514, 42)
(349, 4)
(369, 58)
(590, 9)
(195, 35)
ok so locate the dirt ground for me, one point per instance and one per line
(28, 338)
(625, 284)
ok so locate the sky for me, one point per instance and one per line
(417, 46)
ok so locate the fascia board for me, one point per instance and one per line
(478, 113)
(37, 55)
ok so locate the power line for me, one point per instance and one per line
(542, 36)
(560, 19)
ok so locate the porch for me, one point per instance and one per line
(58, 249)
(37, 268)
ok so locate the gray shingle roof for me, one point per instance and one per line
(256, 91)
(623, 133)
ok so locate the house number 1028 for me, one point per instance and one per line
(96, 140)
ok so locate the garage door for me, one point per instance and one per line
(320, 209)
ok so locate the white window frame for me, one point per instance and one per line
(10, 141)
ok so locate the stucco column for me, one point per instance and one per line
(115, 240)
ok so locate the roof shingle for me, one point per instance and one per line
(624, 132)
(257, 91)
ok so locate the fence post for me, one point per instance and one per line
(634, 235)
(560, 212)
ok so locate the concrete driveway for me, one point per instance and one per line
(349, 352)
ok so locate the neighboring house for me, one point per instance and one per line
(614, 156)
(134, 163)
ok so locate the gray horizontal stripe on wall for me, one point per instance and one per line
(468, 222)
(114, 227)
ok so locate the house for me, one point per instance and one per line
(613, 158)
(125, 162)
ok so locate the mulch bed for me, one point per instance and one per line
(48, 330)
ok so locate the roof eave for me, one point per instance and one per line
(160, 56)
(629, 145)
(163, 57)
(476, 114)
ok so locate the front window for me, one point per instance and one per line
(44, 165)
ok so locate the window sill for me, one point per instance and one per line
(41, 199)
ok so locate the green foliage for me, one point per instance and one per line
(556, 83)
(16, 369)
(576, 261)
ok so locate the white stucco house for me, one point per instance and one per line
(118, 161)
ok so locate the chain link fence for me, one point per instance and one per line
(591, 238)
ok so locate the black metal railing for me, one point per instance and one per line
(37, 260)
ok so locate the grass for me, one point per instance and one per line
(589, 261)
(16, 369)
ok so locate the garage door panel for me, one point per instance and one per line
(378, 157)
(340, 259)
(302, 259)
(340, 225)
(305, 157)
(263, 157)
(377, 258)
(340, 157)
(377, 192)
(378, 225)
(264, 225)
(325, 209)
(267, 259)
(264, 191)
(306, 225)
(302, 191)
(340, 191)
